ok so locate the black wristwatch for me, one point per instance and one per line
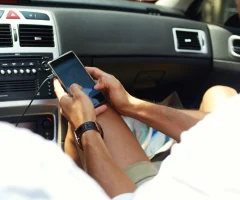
(86, 127)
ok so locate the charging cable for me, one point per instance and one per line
(50, 77)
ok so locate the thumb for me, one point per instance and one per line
(101, 109)
(101, 84)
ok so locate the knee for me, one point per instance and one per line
(215, 96)
(219, 91)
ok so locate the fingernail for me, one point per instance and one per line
(97, 85)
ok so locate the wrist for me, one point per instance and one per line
(85, 129)
(90, 138)
(134, 104)
(76, 123)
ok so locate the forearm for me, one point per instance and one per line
(102, 168)
(169, 121)
(70, 147)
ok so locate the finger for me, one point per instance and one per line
(99, 86)
(107, 82)
(65, 102)
(76, 90)
(97, 73)
(58, 89)
(101, 109)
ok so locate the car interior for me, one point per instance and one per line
(153, 48)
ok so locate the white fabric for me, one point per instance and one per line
(32, 168)
(205, 165)
(127, 196)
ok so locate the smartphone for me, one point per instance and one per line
(69, 69)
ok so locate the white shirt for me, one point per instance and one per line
(205, 165)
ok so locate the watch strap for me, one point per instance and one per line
(86, 127)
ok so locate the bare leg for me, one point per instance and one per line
(119, 139)
(215, 97)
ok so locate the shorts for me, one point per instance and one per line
(141, 172)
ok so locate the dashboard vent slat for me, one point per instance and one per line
(36, 35)
(6, 35)
(18, 86)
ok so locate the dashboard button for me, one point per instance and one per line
(13, 64)
(31, 64)
(21, 71)
(5, 64)
(2, 72)
(9, 71)
(23, 64)
(42, 16)
(15, 71)
(28, 71)
(1, 13)
(28, 15)
(34, 71)
(12, 15)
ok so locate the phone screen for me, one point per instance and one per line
(69, 70)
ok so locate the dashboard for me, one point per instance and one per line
(142, 50)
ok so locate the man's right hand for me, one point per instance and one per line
(112, 89)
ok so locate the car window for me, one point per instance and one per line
(220, 12)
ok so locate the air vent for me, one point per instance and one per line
(236, 46)
(36, 35)
(5, 35)
(189, 40)
(18, 86)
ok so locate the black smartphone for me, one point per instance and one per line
(69, 69)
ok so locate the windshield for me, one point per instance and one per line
(140, 1)
(220, 12)
(148, 1)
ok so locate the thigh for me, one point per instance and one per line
(119, 139)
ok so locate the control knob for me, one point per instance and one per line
(9, 71)
(2, 72)
(45, 66)
(47, 123)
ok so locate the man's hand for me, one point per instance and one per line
(113, 90)
(78, 108)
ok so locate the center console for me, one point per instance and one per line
(28, 41)
(22, 74)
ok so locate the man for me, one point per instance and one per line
(105, 161)
(204, 164)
